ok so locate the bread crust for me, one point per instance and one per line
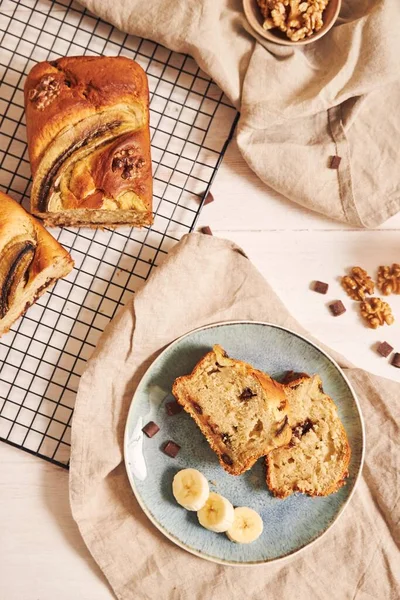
(271, 387)
(340, 481)
(18, 226)
(89, 112)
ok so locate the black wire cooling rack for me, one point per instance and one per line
(192, 122)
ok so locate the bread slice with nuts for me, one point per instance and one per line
(316, 460)
(242, 412)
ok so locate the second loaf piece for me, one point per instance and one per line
(316, 460)
(89, 144)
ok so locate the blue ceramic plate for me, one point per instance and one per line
(290, 524)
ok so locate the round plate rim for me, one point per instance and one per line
(176, 540)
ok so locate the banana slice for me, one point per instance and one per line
(190, 489)
(247, 526)
(217, 513)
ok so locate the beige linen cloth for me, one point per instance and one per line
(206, 280)
(337, 96)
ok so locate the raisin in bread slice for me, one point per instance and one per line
(242, 412)
(316, 460)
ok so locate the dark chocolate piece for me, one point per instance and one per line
(292, 376)
(321, 287)
(151, 429)
(384, 349)
(227, 459)
(337, 308)
(171, 449)
(206, 230)
(335, 162)
(173, 408)
(197, 408)
(303, 428)
(226, 438)
(247, 394)
(282, 426)
(396, 360)
(208, 199)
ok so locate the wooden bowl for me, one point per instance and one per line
(255, 19)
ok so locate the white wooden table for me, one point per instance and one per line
(42, 555)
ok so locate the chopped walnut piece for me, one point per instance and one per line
(266, 6)
(278, 15)
(128, 160)
(268, 24)
(376, 312)
(389, 279)
(45, 92)
(358, 284)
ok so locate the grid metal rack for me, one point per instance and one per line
(43, 356)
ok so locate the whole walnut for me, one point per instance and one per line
(358, 284)
(389, 279)
(376, 312)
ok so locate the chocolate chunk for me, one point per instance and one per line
(206, 230)
(282, 426)
(226, 438)
(247, 394)
(396, 360)
(303, 428)
(173, 408)
(208, 199)
(197, 408)
(335, 162)
(384, 349)
(307, 425)
(321, 287)
(321, 389)
(292, 376)
(171, 449)
(337, 308)
(151, 429)
(227, 459)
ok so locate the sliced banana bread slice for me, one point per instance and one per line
(242, 412)
(316, 460)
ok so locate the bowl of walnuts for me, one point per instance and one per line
(291, 22)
